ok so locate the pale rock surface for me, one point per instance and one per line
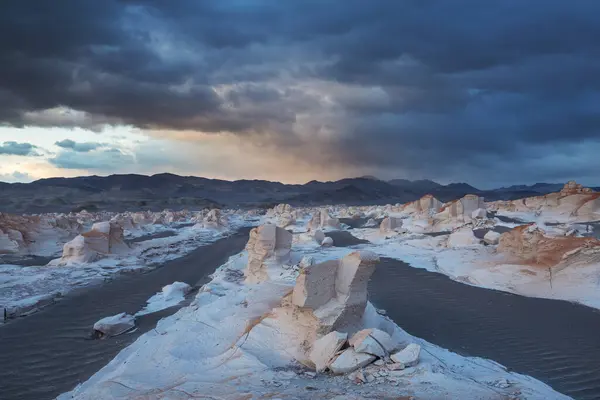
(492, 237)
(267, 243)
(350, 361)
(460, 210)
(325, 349)
(115, 325)
(327, 242)
(409, 356)
(390, 224)
(463, 237)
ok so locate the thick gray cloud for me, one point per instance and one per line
(83, 147)
(449, 90)
(18, 149)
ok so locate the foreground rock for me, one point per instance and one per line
(325, 349)
(115, 325)
(267, 244)
(349, 361)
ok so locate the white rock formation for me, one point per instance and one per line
(409, 356)
(321, 219)
(350, 361)
(103, 239)
(390, 225)
(214, 220)
(461, 209)
(115, 325)
(267, 243)
(371, 223)
(425, 206)
(325, 349)
(333, 294)
(492, 237)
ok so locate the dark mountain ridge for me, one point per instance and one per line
(157, 192)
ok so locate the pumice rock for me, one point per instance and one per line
(267, 243)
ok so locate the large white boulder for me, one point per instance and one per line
(325, 349)
(267, 243)
(319, 236)
(334, 293)
(350, 361)
(102, 239)
(115, 325)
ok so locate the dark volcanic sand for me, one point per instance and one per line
(344, 239)
(49, 352)
(151, 236)
(554, 341)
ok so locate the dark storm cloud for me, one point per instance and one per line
(18, 149)
(411, 86)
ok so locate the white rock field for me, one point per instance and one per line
(266, 337)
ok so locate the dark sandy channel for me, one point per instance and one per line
(554, 341)
(49, 353)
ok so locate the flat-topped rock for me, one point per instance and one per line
(266, 243)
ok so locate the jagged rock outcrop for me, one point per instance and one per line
(268, 243)
(529, 245)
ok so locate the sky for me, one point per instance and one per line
(492, 93)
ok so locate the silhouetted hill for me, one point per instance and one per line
(156, 192)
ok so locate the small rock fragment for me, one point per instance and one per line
(350, 361)
(409, 357)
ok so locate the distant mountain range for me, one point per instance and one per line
(140, 192)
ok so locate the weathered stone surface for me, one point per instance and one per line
(321, 219)
(327, 242)
(573, 187)
(115, 325)
(371, 223)
(463, 237)
(350, 361)
(267, 242)
(409, 356)
(315, 286)
(390, 224)
(492, 237)
(325, 349)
